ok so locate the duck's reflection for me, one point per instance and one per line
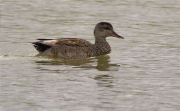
(105, 80)
(101, 63)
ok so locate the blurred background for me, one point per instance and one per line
(142, 73)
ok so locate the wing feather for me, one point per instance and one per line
(74, 42)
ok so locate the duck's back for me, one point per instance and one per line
(70, 48)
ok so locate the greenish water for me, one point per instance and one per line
(142, 73)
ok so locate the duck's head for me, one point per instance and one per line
(105, 29)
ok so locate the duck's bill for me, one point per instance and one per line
(116, 35)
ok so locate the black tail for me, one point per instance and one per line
(40, 46)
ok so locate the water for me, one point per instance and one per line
(141, 74)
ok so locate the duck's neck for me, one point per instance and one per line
(101, 46)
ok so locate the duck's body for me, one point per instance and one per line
(74, 48)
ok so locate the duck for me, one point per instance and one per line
(77, 48)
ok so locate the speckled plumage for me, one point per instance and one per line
(75, 48)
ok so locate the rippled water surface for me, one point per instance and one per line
(142, 73)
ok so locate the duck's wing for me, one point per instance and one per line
(44, 44)
(66, 41)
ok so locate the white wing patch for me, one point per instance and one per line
(49, 42)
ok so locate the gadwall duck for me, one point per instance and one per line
(75, 48)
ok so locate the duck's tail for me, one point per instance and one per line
(40, 47)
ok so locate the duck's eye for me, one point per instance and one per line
(107, 28)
